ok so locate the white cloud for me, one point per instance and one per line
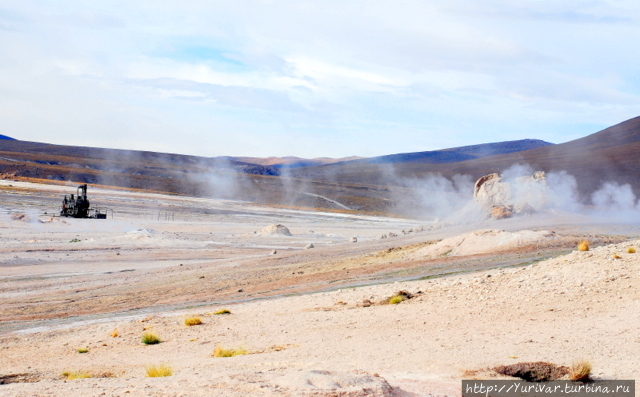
(339, 77)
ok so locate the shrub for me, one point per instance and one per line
(583, 245)
(616, 256)
(75, 240)
(222, 352)
(580, 371)
(399, 297)
(150, 338)
(157, 371)
(222, 311)
(631, 250)
(394, 300)
(71, 375)
(83, 350)
(114, 333)
(195, 320)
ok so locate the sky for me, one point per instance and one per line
(315, 78)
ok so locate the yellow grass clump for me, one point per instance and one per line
(195, 320)
(150, 338)
(83, 350)
(71, 375)
(157, 371)
(580, 371)
(222, 311)
(222, 352)
(114, 333)
(631, 250)
(394, 300)
(616, 256)
(583, 245)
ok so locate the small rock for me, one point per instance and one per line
(308, 246)
(354, 239)
(274, 252)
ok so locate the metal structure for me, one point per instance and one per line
(78, 206)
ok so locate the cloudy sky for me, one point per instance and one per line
(315, 78)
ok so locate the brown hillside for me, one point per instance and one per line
(612, 154)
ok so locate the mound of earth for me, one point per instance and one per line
(275, 230)
(482, 241)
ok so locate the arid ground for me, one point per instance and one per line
(314, 321)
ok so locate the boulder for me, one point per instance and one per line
(501, 212)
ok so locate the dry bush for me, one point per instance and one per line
(222, 311)
(114, 333)
(580, 371)
(150, 338)
(394, 300)
(583, 245)
(533, 372)
(195, 320)
(157, 371)
(222, 352)
(397, 298)
(631, 250)
(71, 375)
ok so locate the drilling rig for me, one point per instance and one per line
(78, 206)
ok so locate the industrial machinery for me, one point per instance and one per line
(78, 206)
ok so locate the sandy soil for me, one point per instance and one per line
(311, 319)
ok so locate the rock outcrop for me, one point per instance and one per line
(502, 199)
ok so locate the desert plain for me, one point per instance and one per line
(311, 309)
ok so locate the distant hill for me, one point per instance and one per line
(378, 185)
(612, 154)
(77, 159)
(457, 154)
(6, 138)
(291, 161)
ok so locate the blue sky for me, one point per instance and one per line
(315, 78)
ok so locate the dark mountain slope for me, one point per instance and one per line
(612, 154)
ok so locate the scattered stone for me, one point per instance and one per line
(309, 246)
(354, 239)
(20, 217)
(274, 252)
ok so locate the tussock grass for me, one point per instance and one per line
(222, 311)
(394, 300)
(631, 250)
(222, 352)
(150, 338)
(583, 245)
(114, 333)
(157, 371)
(195, 320)
(616, 256)
(83, 350)
(580, 371)
(71, 375)
(400, 296)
